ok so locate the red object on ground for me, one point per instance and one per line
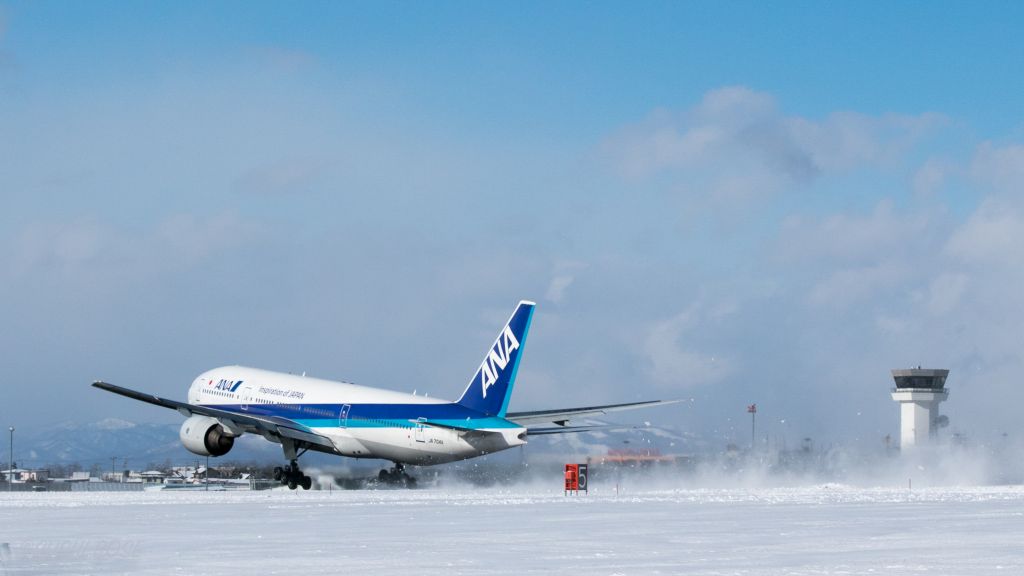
(572, 477)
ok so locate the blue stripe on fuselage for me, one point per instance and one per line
(372, 415)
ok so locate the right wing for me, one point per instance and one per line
(561, 417)
(263, 425)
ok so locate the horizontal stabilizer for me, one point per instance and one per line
(446, 426)
(565, 429)
(564, 415)
(463, 431)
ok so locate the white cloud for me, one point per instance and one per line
(994, 234)
(565, 275)
(672, 362)
(946, 292)
(992, 238)
(847, 286)
(892, 326)
(59, 244)
(846, 140)
(847, 237)
(85, 250)
(735, 106)
(931, 176)
(556, 290)
(736, 130)
(1001, 167)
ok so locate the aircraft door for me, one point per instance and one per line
(245, 397)
(420, 432)
(343, 416)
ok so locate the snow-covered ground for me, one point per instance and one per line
(830, 529)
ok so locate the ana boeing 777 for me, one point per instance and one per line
(303, 413)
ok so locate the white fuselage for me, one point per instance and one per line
(362, 422)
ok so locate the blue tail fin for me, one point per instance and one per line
(491, 387)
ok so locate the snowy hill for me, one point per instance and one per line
(140, 443)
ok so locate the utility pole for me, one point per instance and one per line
(10, 468)
(752, 409)
(113, 466)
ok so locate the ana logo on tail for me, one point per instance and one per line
(497, 359)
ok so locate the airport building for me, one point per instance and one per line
(919, 392)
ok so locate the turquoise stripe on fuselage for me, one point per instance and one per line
(488, 423)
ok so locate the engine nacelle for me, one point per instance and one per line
(205, 436)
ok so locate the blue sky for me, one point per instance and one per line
(723, 202)
(535, 60)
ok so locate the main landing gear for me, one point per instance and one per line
(396, 476)
(291, 476)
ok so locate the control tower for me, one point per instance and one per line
(919, 392)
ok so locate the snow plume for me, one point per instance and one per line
(657, 466)
(674, 463)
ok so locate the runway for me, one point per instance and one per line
(825, 529)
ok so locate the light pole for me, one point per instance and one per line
(10, 462)
(752, 409)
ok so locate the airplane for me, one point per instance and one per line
(304, 413)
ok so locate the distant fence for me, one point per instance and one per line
(103, 486)
(253, 484)
(261, 484)
(72, 487)
(24, 487)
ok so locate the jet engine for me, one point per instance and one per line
(205, 436)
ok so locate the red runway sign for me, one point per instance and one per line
(575, 478)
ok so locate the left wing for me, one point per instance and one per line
(562, 416)
(262, 425)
